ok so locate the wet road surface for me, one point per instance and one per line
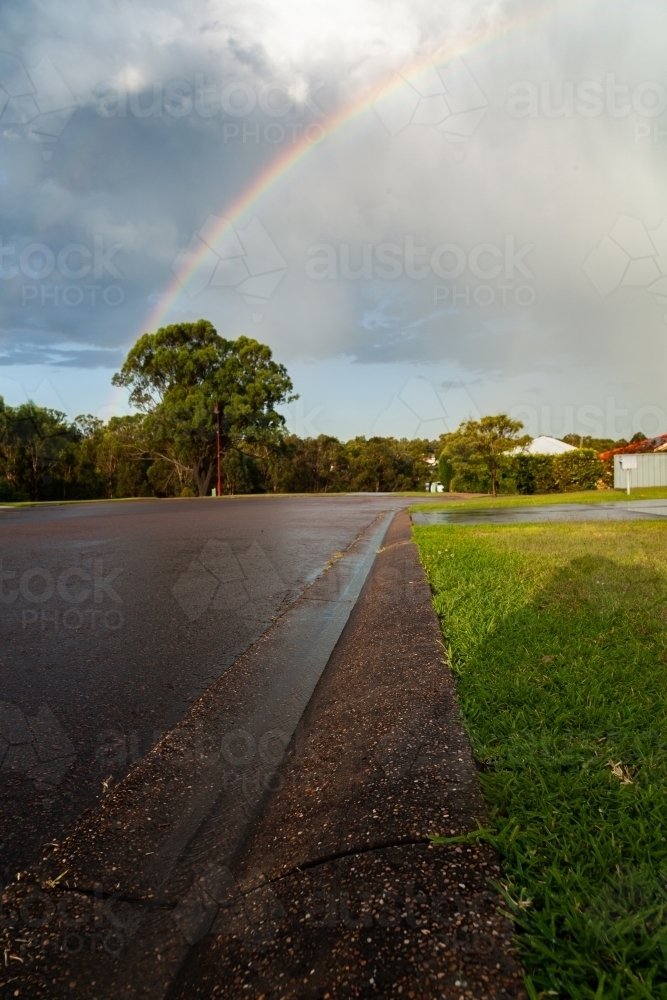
(116, 617)
(637, 510)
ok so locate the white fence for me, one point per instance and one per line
(651, 471)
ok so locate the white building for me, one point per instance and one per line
(544, 445)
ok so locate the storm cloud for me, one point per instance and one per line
(470, 215)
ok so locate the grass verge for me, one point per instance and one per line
(586, 496)
(557, 635)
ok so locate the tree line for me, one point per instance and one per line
(489, 456)
(168, 448)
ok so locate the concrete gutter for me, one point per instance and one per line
(337, 892)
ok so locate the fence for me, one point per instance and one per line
(651, 471)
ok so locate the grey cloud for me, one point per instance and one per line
(60, 356)
(149, 180)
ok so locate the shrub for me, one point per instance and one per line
(470, 481)
(535, 474)
(8, 494)
(567, 473)
(577, 470)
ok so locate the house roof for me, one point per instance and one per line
(658, 443)
(545, 445)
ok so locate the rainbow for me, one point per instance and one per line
(286, 161)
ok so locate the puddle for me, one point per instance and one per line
(641, 510)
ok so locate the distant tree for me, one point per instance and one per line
(373, 465)
(445, 470)
(598, 444)
(309, 465)
(380, 464)
(175, 377)
(481, 447)
(112, 458)
(33, 443)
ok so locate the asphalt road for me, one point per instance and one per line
(116, 617)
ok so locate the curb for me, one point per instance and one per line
(337, 891)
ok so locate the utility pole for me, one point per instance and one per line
(218, 491)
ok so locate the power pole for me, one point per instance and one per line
(218, 492)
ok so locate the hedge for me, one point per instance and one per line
(567, 473)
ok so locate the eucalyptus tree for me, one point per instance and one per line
(176, 376)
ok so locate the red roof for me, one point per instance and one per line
(650, 444)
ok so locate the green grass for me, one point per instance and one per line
(587, 496)
(557, 635)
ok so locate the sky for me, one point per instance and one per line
(429, 211)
